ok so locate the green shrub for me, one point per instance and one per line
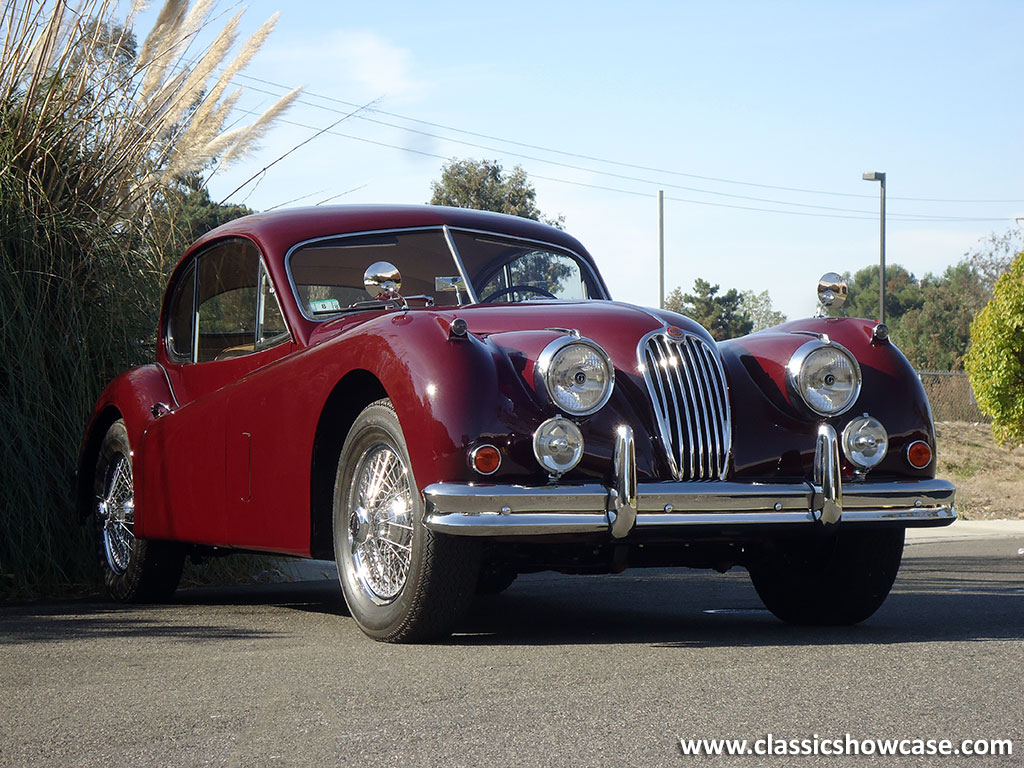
(995, 360)
(94, 140)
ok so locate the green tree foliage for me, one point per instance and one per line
(902, 293)
(995, 361)
(935, 335)
(722, 315)
(485, 186)
(182, 213)
(759, 309)
(994, 254)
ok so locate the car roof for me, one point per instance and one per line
(277, 231)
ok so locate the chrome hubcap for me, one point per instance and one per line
(380, 524)
(116, 511)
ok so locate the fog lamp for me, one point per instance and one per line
(865, 441)
(558, 445)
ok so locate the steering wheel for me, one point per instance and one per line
(514, 288)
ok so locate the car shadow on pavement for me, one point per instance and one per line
(982, 600)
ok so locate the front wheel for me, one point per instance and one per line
(837, 582)
(401, 581)
(135, 570)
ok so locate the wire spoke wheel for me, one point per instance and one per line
(116, 513)
(401, 582)
(135, 569)
(380, 523)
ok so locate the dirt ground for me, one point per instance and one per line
(989, 479)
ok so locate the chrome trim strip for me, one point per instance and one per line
(170, 387)
(622, 499)
(473, 299)
(530, 524)
(731, 518)
(480, 499)
(828, 490)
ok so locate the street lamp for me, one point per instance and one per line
(879, 176)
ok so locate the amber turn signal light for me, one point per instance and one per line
(919, 454)
(485, 459)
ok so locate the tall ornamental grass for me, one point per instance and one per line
(96, 132)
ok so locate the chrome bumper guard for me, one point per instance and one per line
(511, 510)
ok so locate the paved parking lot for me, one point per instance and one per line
(558, 671)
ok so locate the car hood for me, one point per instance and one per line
(617, 327)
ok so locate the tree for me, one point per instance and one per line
(758, 308)
(721, 314)
(993, 254)
(902, 293)
(935, 335)
(485, 186)
(995, 361)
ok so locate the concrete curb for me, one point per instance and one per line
(966, 529)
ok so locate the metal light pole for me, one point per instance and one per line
(661, 249)
(879, 176)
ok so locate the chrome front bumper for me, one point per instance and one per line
(512, 510)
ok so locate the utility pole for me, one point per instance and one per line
(661, 249)
(879, 176)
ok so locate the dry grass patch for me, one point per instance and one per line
(988, 477)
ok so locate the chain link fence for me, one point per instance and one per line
(951, 396)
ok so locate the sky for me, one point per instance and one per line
(726, 106)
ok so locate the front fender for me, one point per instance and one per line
(784, 445)
(131, 397)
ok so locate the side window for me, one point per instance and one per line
(237, 311)
(181, 317)
(270, 326)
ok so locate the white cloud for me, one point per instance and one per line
(361, 58)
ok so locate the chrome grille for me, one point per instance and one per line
(691, 401)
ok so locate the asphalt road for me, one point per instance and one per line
(558, 671)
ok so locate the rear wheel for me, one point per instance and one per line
(401, 581)
(134, 569)
(835, 583)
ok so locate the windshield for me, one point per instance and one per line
(328, 274)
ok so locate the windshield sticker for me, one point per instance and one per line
(325, 305)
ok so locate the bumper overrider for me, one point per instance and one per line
(470, 509)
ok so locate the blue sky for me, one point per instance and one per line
(782, 94)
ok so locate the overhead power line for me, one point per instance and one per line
(617, 190)
(607, 161)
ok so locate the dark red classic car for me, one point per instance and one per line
(441, 399)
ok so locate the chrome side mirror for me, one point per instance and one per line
(383, 280)
(832, 291)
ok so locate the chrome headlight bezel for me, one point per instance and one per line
(546, 366)
(797, 376)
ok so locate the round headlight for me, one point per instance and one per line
(577, 374)
(825, 376)
(865, 441)
(558, 445)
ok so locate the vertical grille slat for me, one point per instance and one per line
(708, 406)
(689, 393)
